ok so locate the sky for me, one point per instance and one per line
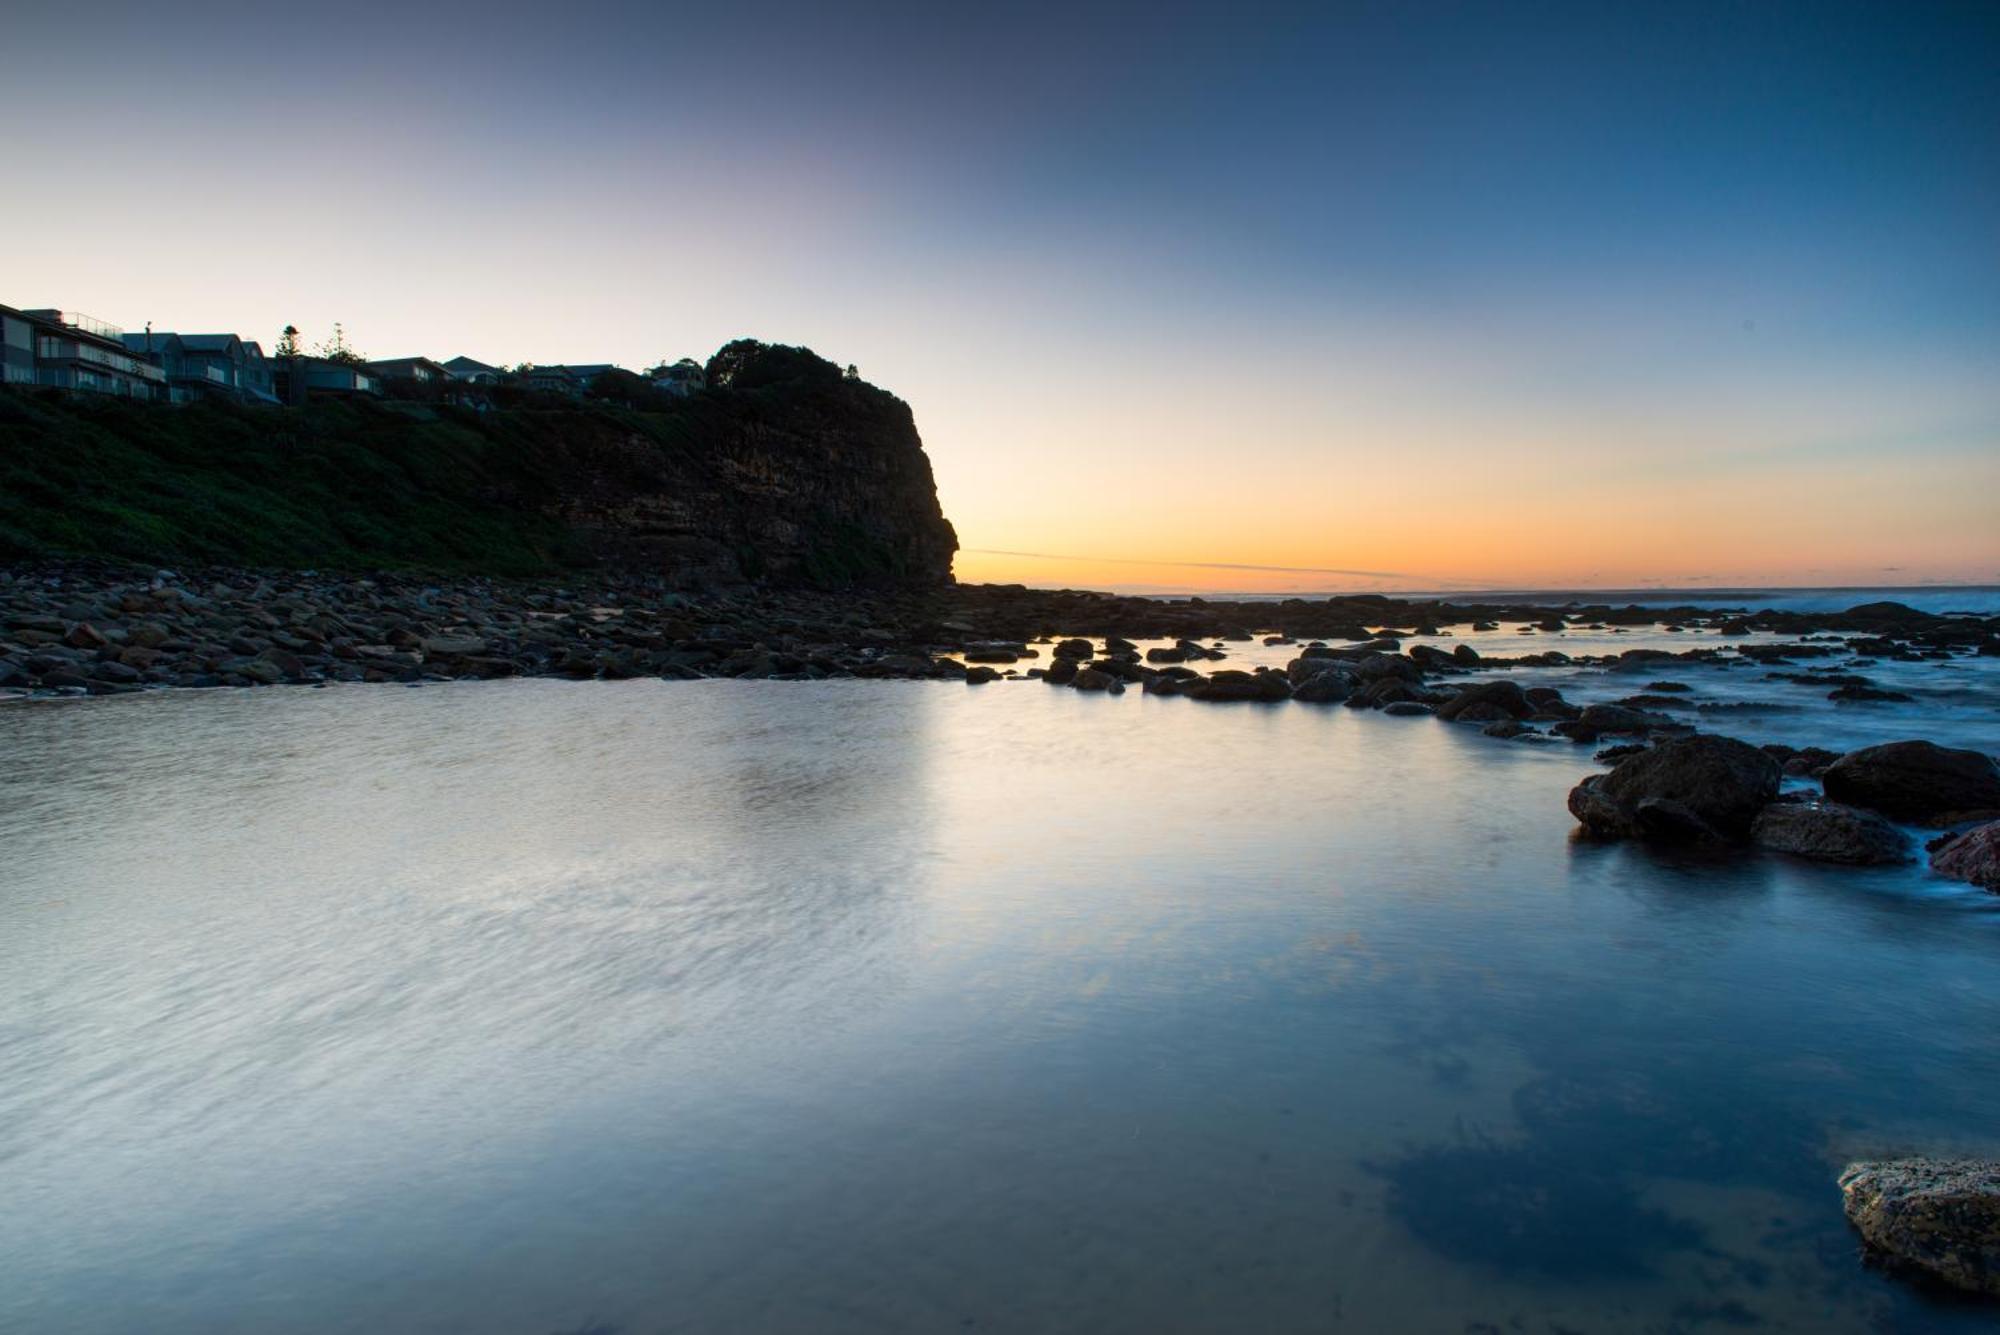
(1272, 298)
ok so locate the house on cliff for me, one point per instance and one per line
(207, 365)
(573, 380)
(681, 379)
(298, 379)
(471, 372)
(73, 351)
(411, 370)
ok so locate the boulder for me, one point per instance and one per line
(1597, 720)
(1917, 781)
(1324, 688)
(1972, 856)
(452, 646)
(1939, 1217)
(1487, 701)
(1231, 684)
(1829, 832)
(1689, 789)
(1378, 666)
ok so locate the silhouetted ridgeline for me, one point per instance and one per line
(789, 472)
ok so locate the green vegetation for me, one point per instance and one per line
(526, 485)
(336, 485)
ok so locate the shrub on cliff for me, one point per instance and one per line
(748, 364)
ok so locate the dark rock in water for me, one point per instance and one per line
(1465, 653)
(1408, 708)
(1309, 665)
(1674, 687)
(1073, 649)
(1324, 688)
(1973, 856)
(1166, 655)
(1688, 789)
(1829, 832)
(1596, 720)
(1430, 657)
(1383, 691)
(1939, 1217)
(1505, 728)
(1805, 762)
(1858, 692)
(992, 656)
(1887, 614)
(1115, 645)
(1090, 678)
(1230, 684)
(979, 674)
(1917, 781)
(1620, 751)
(1063, 671)
(1497, 699)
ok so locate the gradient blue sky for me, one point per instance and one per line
(1368, 294)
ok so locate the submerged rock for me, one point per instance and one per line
(1972, 856)
(1829, 832)
(1917, 781)
(1937, 1216)
(1688, 789)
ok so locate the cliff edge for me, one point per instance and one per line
(784, 471)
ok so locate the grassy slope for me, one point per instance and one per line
(333, 485)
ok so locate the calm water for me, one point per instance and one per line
(884, 1006)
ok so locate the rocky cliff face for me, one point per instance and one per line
(808, 479)
(785, 471)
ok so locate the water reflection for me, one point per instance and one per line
(538, 1007)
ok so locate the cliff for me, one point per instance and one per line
(785, 471)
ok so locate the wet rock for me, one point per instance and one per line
(1597, 720)
(451, 646)
(1486, 702)
(1829, 832)
(1972, 856)
(1408, 708)
(1917, 781)
(1091, 678)
(979, 674)
(1806, 762)
(1937, 1217)
(1377, 666)
(1688, 789)
(1077, 649)
(1232, 685)
(1324, 688)
(1855, 692)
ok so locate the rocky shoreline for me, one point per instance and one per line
(93, 628)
